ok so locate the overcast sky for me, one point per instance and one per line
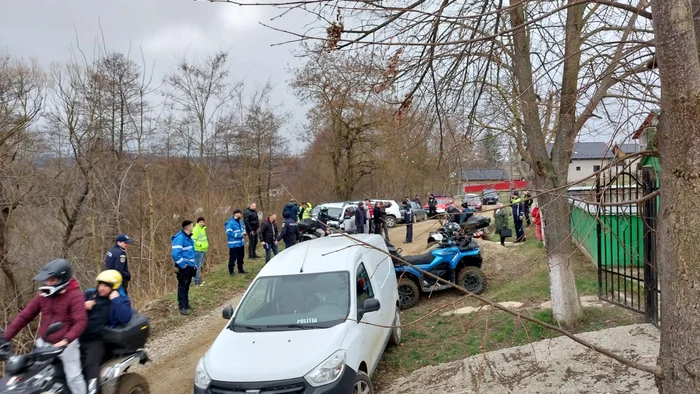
(165, 30)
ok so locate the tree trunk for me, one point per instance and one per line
(679, 149)
(552, 173)
(5, 266)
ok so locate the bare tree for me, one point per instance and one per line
(22, 94)
(200, 91)
(678, 42)
(340, 87)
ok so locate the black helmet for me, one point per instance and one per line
(60, 269)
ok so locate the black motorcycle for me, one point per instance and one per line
(40, 370)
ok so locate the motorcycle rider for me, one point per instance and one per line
(107, 305)
(324, 218)
(290, 231)
(59, 300)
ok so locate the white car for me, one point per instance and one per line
(393, 213)
(342, 214)
(300, 326)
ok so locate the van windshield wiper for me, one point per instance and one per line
(298, 326)
(252, 328)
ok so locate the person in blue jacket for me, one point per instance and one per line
(235, 231)
(107, 305)
(183, 258)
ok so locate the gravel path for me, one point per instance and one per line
(175, 353)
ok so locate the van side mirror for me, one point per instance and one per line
(227, 313)
(54, 328)
(370, 305)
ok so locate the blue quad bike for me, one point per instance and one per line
(457, 261)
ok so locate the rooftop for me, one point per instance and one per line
(597, 150)
(485, 174)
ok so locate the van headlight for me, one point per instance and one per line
(328, 371)
(201, 377)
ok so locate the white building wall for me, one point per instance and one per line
(580, 169)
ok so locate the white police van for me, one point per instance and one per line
(316, 319)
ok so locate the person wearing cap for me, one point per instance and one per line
(116, 259)
(235, 231)
(183, 258)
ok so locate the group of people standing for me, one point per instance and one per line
(524, 210)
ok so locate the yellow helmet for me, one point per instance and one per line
(110, 277)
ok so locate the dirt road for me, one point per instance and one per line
(177, 352)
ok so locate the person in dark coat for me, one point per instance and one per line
(268, 236)
(527, 205)
(360, 217)
(432, 205)
(416, 199)
(116, 259)
(107, 305)
(453, 214)
(409, 219)
(518, 208)
(293, 210)
(290, 231)
(252, 225)
(377, 214)
(384, 226)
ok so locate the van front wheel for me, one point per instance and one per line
(363, 384)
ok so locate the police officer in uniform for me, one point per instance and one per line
(116, 259)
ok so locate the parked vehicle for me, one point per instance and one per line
(457, 261)
(41, 371)
(341, 214)
(419, 213)
(476, 226)
(393, 212)
(489, 196)
(442, 203)
(473, 201)
(299, 327)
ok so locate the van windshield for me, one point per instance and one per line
(295, 302)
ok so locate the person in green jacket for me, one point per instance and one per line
(201, 245)
(305, 210)
(501, 216)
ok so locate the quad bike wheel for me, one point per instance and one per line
(132, 383)
(409, 293)
(471, 279)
